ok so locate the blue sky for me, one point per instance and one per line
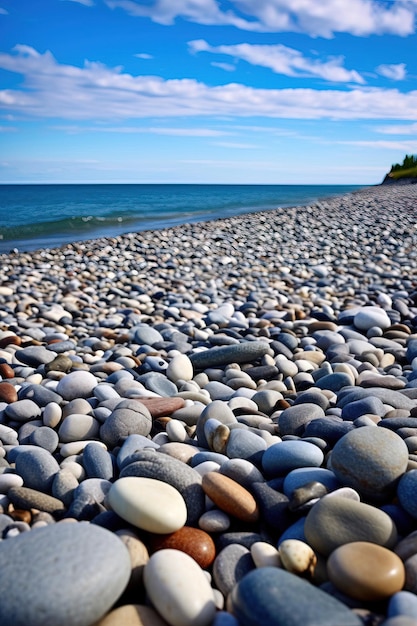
(206, 91)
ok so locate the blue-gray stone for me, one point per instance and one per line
(39, 394)
(159, 383)
(396, 399)
(69, 574)
(304, 475)
(97, 461)
(130, 417)
(281, 458)
(208, 455)
(246, 352)
(242, 471)
(334, 382)
(35, 355)
(22, 410)
(371, 460)
(273, 506)
(219, 391)
(294, 419)
(295, 531)
(217, 410)
(223, 618)
(243, 538)
(64, 486)
(244, 444)
(37, 467)
(132, 445)
(370, 404)
(44, 437)
(402, 603)
(62, 346)
(407, 492)
(270, 596)
(329, 428)
(88, 498)
(312, 396)
(231, 565)
(8, 436)
(146, 335)
(185, 479)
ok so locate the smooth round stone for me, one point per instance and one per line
(88, 498)
(148, 504)
(182, 477)
(242, 471)
(244, 444)
(366, 571)
(265, 555)
(297, 557)
(130, 417)
(23, 410)
(231, 565)
(179, 589)
(69, 574)
(97, 462)
(355, 409)
(131, 445)
(217, 410)
(180, 368)
(214, 521)
(246, 352)
(162, 407)
(273, 506)
(293, 419)
(159, 383)
(146, 335)
(402, 603)
(78, 384)
(335, 521)
(270, 596)
(281, 458)
(64, 485)
(44, 437)
(35, 355)
(37, 467)
(230, 497)
(371, 316)
(8, 392)
(61, 363)
(304, 475)
(78, 427)
(39, 394)
(370, 460)
(132, 615)
(407, 492)
(193, 541)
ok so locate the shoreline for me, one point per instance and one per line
(263, 367)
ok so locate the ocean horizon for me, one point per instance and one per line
(35, 216)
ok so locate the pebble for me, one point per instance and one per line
(193, 541)
(149, 504)
(69, 556)
(178, 589)
(231, 565)
(186, 348)
(366, 571)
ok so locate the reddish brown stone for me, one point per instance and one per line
(161, 407)
(10, 340)
(193, 541)
(8, 393)
(6, 371)
(231, 497)
(19, 515)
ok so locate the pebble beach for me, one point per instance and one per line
(214, 424)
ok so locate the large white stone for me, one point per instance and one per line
(180, 368)
(179, 589)
(149, 504)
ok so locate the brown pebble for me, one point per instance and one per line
(19, 515)
(161, 407)
(231, 497)
(196, 543)
(366, 571)
(8, 393)
(10, 340)
(6, 371)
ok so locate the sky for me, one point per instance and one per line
(206, 91)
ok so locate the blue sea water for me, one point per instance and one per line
(47, 216)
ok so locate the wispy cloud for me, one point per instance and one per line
(3, 11)
(228, 67)
(321, 18)
(393, 71)
(151, 130)
(398, 129)
(283, 60)
(143, 55)
(404, 146)
(96, 92)
(87, 3)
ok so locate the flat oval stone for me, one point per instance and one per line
(231, 565)
(78, 427)
(148, 504)
(37, 467)
(270, 596)
(370, 460)
(84, 569)
(246, 352)
(194, 542)
(293, 420)
(8, 392)
(130, 417)
(23, 410)
(179, 589)
(25, 498)
(161, 407)
(282, 457)
(366, 571)
(180, 368)
(231, 497)
(334, 521)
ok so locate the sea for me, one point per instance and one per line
(39, 216)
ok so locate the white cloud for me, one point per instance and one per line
(87, 3)
(3, 11)
(228, 67)
(143, 55)
(283, 60)
(318, 18)
(96, 92)
(404, 146)
(158, 130)
(393, 71)
(398, 129)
